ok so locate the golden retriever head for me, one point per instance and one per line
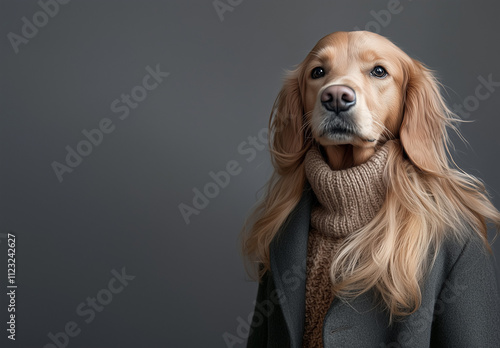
(353, 92)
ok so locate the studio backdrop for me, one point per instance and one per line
(134, 144)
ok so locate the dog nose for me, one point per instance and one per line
(338, 98)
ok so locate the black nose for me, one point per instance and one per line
(338, 98)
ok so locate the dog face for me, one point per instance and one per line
(353, 89)
(353, 92)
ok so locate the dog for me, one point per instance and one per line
(353, 93)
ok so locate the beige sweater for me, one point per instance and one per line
(346, 201)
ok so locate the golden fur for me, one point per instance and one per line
(427, 197)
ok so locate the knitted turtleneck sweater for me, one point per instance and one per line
(346, 201)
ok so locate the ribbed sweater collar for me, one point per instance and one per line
(348, 199)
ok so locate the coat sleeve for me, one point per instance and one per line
(467, 310)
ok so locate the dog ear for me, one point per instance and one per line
(423, 129)
(287, 125)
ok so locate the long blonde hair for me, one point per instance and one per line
(428, 197)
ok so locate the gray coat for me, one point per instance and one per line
(460, 300)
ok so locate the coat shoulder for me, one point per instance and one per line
(468, 252)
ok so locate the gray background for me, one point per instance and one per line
(119, 207)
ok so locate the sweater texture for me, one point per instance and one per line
(346, 201)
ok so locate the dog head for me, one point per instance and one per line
(359, 89)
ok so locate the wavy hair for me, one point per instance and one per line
(428, 197)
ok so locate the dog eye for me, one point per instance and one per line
(379, 72)
(317, 73)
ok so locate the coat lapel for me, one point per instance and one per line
(288, 253)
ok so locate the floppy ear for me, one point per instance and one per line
(287, 125)
(423, 129)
